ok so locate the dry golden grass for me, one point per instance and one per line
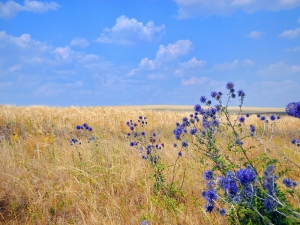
(45, 180)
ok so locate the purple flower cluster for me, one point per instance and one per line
(293, 109)
(295, 142)
(211, 194)
(289, 183)
(84, 127)
(246, 176)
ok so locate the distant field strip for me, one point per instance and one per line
(188, 108)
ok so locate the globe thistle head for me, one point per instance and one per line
(272, 117)
(211, 196)
(241, 119)
(222, 211)
(193, 131)
(214, 94)
(179, 154)
(241, 93)
(209, 208)
(252, 128)
(208, 102)
(270, 204)
(203, 99)
(197, 108)
(246, 176)
(263, 118)
(215, 123)
(185, 144)
(230, 85)
(289, 183)
(144, 222)
(247, 114)
(208, 175)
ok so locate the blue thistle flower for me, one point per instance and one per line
(208, 102)
(193, 131)
(144, 222)
(211, 196)
(272, 117)
(215, 123)
(208, 175)
(293, 109)
(209, 208)
(246, 176)
(203, 99)
(179, 154)
(247, 114)
(232, 95)
(222, 211)
(252, 128)
(214, 94)
(184, 144)
(175, 145)
(241, 93)
(263, 118)
(289, 183)
(242, 119)
(270, 204)
(197, 108)
(293, 141)
(230, 85)
(218, 107)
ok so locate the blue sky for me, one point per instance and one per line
(146, 52)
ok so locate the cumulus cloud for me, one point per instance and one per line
(192, 8)
(255, 34)
(279, 69)
(129, 31)
(195, 81)
(79, 42)
(233, 65)
(11, 8)
(290, 33)
(295, 49)
(165, 55)
(190, 67)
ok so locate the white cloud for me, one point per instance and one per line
(15, 68)
(190, 66)
(5, 85)
(279, 69)
(192, 8)
(63, 52)
(11, 8)
(80, 42)
(55, 89)
(295, 49)
(165, 56)
(233, 65)
(291, 33)
(255, 34)
(129, 31)
(195, 81)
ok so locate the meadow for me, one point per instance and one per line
(100, 179)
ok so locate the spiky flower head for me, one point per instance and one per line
(246, 176)
(230, 85)
(208, 175)
(289, 183)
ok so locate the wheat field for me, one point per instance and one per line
(46, 180)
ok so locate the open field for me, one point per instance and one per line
(189, 108)
(46, 180)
